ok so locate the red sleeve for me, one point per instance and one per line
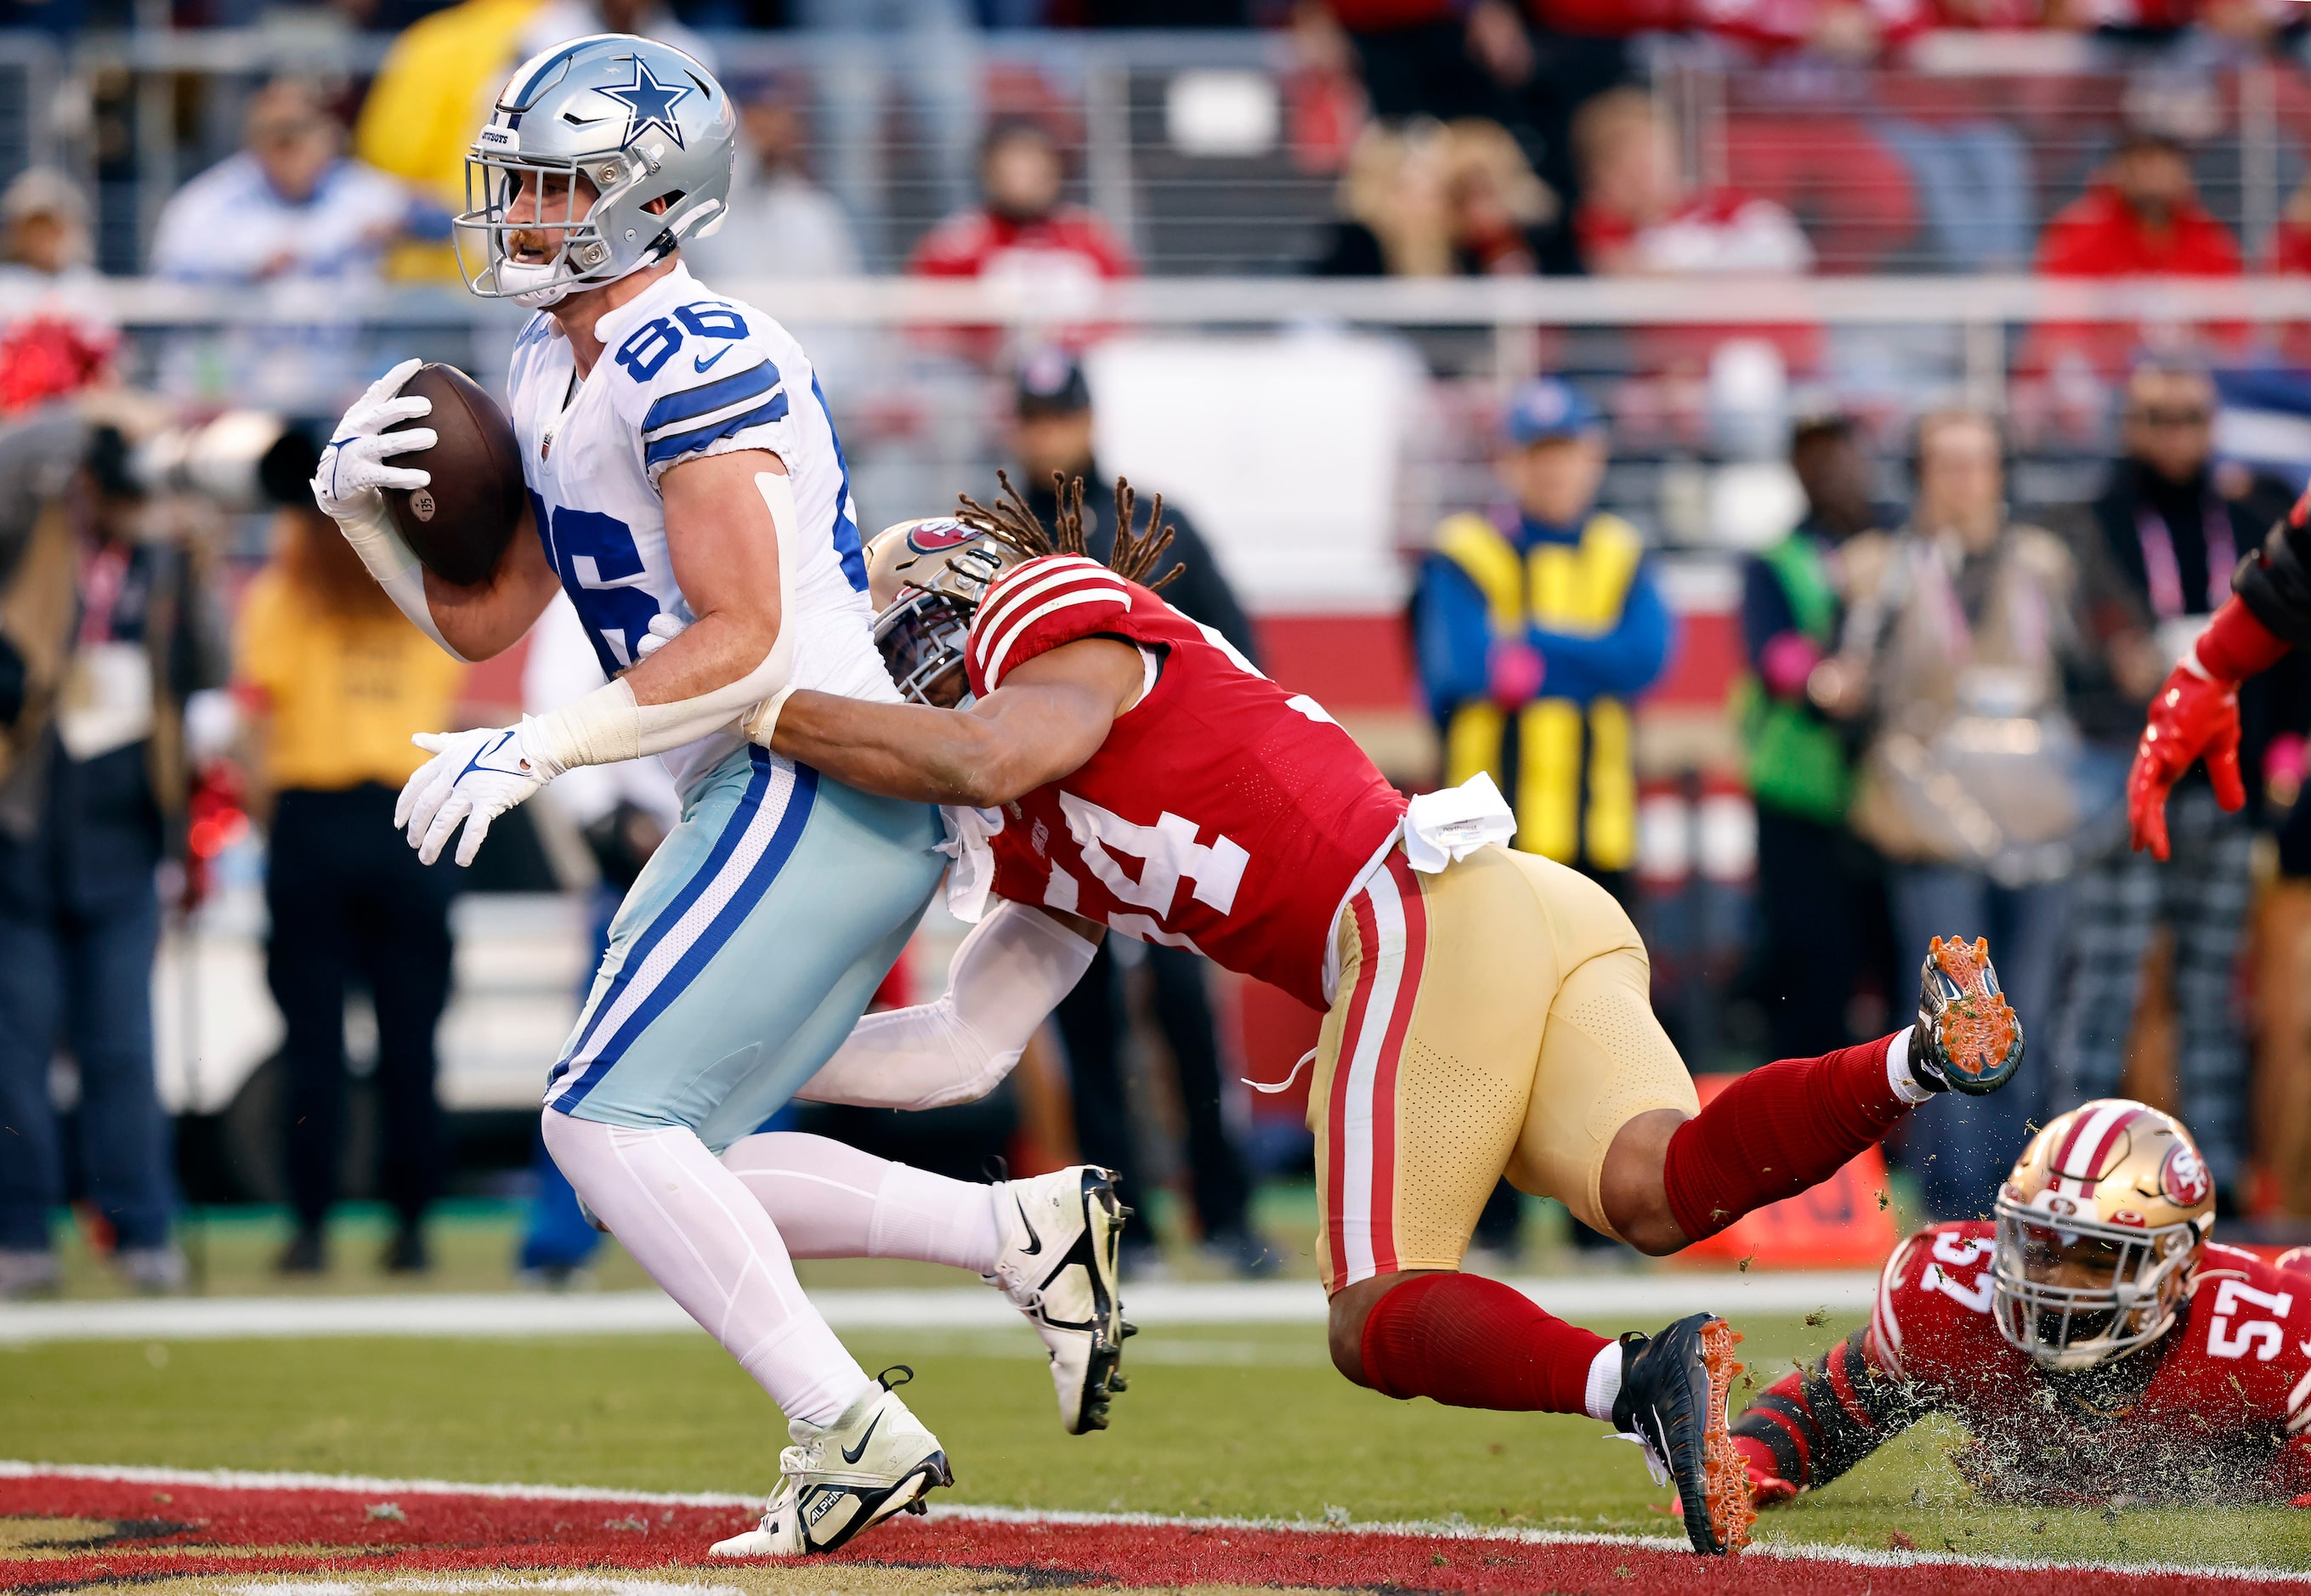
(1085, 233)
(955, 248)
(1607, 19)
(1035, 607)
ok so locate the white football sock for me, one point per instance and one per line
(1604, 1382)
(1897, 1067)
(830, 1200)
(693, 1226)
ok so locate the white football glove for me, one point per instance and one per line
(664, 628)
(346, 486)
(353, 466)
(473, 777)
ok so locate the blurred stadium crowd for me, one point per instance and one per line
(1810, 634)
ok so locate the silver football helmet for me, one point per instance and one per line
(629, 119)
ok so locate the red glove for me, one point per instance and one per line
(2195, 713)
(1766, 1487)
(1514, 671)
(2192, 715)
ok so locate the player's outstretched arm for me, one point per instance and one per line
(1814, 1424)
(1049, 715)
(1010, 973)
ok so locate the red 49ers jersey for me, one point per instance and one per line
(2223, 1414)
(1221, 813)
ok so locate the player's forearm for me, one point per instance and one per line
(483, 621)
(1820, 1421)
(1011, 971)
(714, 652)
(902, 751)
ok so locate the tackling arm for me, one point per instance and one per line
(1049, 715)
(1010, 971)
(1814, 1424)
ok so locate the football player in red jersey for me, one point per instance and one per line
(2092, 1341)
(2195, 711)
(1121, 768)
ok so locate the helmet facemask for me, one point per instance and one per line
(495, 182)
(922, 637)
(2074, 1292)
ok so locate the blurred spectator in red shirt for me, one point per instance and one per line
(1022, 233)
(1637, 214)
(1639, 217)
(2288, 254)
(1021, 230)
(1855, 30)
(2140, 217)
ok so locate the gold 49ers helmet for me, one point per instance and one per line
(926, 578)
(2101, 1225)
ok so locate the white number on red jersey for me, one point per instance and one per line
(1167, 853)
(1960, 1252)
(2263, 1336)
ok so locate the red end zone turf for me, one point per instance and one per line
(107, 1527)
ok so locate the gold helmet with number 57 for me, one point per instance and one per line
(2101, 1225)
(926, 578)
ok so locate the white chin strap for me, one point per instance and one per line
(547, 287)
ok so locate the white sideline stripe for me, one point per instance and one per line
(1796, 1551)
(974, 1307)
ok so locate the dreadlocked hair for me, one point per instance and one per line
(1013, 524)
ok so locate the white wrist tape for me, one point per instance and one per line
(1011, 971)
(608, 725)
(368, 528)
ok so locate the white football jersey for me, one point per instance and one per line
(684, 374)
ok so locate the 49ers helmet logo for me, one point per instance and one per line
(2182, 1177)
(930, 536)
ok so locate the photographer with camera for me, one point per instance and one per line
(106, 626)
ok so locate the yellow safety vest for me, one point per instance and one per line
(1578, 588)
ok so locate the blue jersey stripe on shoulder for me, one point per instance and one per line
(671, 409)
(658, 452)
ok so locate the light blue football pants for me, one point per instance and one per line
(746, 950)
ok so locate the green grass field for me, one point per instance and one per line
(1245, 1421)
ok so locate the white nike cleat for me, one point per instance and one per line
(1057, 1266)
(875, 1461)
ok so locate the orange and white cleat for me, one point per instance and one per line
(1674, 1388)
(1968, 1039)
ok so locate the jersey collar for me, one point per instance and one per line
(613, 326)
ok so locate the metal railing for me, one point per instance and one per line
(1950, 162)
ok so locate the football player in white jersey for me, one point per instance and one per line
(681, 466)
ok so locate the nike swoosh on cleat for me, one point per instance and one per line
(1034, 1242)
(852, 1454)
(702, 362)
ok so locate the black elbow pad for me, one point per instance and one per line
(2274, 583)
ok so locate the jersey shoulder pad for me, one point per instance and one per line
(1933, 1299)
(1036, 606)
(699, 380)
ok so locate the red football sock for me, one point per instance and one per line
(1471, 1342)
(1776, 1131)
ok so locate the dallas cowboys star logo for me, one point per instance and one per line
(648, 104)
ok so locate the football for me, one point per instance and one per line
(460, 523)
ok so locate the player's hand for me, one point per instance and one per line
(1513, 671)
(353, 466)
(2192, 715)
(473, 777)
(1767, 1488)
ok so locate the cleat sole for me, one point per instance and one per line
(1977, 1035)
(1731, 1512)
